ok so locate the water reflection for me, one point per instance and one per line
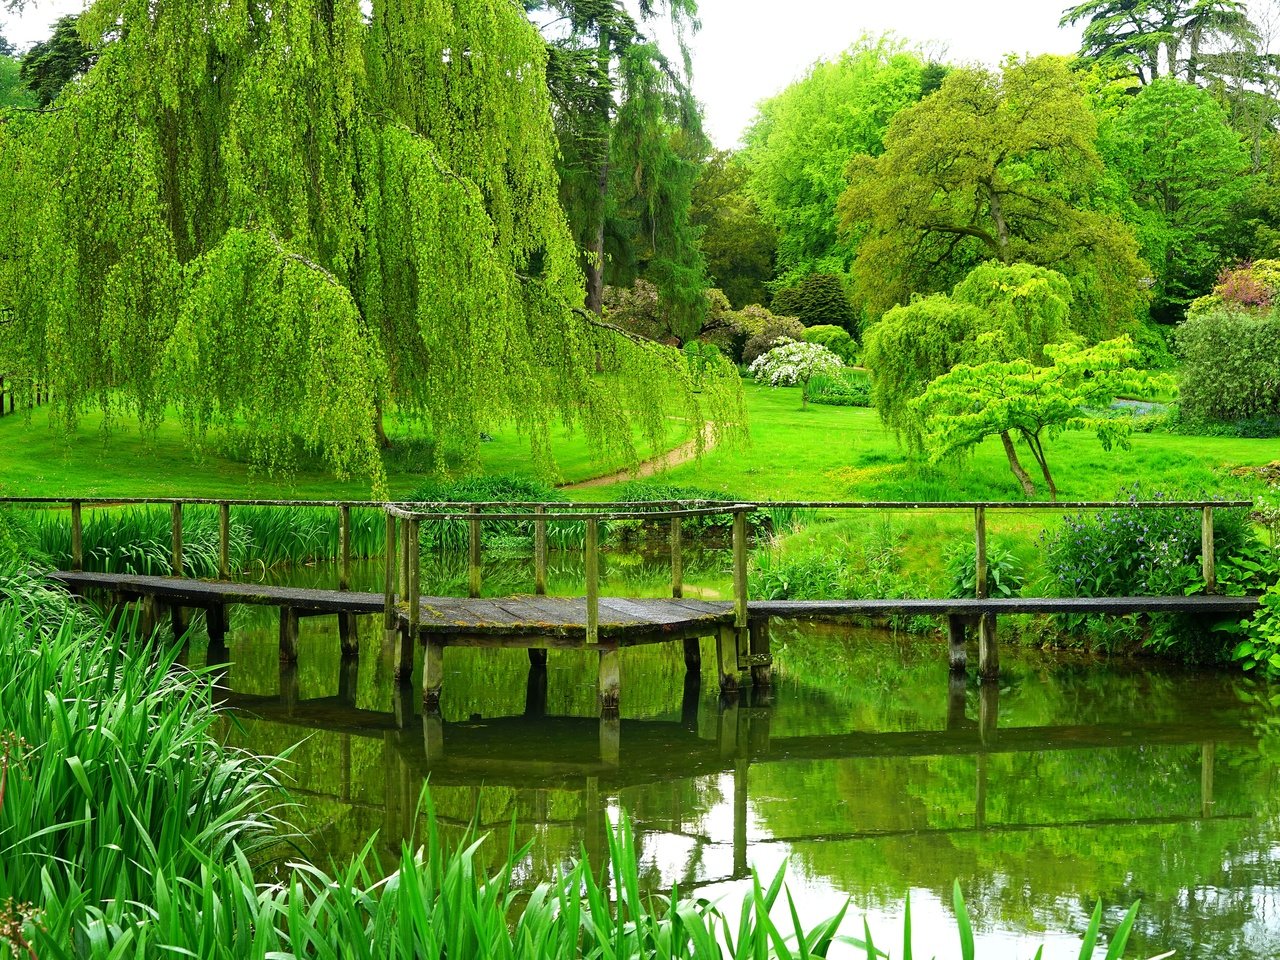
(873, 772)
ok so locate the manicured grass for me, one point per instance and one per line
(843, 453)
(39, 460)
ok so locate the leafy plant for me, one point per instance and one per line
(791, 364)
(1260, 648)
(1004, 571)
(847, 388)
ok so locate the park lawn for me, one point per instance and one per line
(843, 453)
(38, 460)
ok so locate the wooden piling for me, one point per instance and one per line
(1208, 567)
(540, 550)
(432, 673)
(410, 638)
(344, 547)
(988, 648)
(215, 622)
(727, 658)
(288, 635)
(224, 541)
(1208, 752)
(693, 656)
(177, 539)
(77, 537)
(474, 566)
(593, 580)
(959, 656)
(980, 551)
(404, 558)
(610, 680)
(761, 656)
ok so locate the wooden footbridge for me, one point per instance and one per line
(413, 618)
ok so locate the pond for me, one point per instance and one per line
(871, 772)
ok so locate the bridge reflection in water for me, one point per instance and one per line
(543, 756)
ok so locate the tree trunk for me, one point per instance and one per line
(1024, 478)
(595, 262)
(383, 440)
(1001, 224)
(1037, 451)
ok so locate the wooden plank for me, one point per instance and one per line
(637, 611)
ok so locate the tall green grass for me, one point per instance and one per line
(138, 540)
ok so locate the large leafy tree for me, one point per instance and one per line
(992, 165)
(51, 64)
(798, 146)
(1156, 38)
(737, 242)
(284, 218)
(1186, 171)
(630, 140)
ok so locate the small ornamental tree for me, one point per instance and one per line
(1010, 398)
(791, 363)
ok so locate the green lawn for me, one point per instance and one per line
(843, 453)
(39, 460)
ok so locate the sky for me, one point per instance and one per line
(749, 50)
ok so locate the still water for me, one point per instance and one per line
(870, 773)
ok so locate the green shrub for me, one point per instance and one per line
(1260, 648)
(763, 329)
(836, 339)
(1230, 367)
(848, 388)
(818, 300)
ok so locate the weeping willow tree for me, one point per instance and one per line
(285, 218)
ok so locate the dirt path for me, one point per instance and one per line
(647, 468)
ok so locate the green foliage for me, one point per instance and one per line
(51, 64)
(739, 245)
(1260, 649)
(763, 330)
(997, 166)
(836, 339)
(293, 250)
(798, 146)
(817, 300)
(1185, 171)
(962, 408)
(13, 92)
(454, 535)
(1026, 307)
(1230, 365)
(848, 388)
(1005, 576)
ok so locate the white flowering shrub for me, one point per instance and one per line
(793, 363)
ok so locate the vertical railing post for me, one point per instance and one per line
(77, 537)
(473, 565)
(593, 580)
(740, 567)
(677, 558)
(177, 538)
(344, 547)
(224, 541)
(404, 558)
(1207, 563)
(389, 577)
(540, 550)
(980, 552)
(415, 593)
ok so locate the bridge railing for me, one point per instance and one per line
(402, 571)
(540, 514)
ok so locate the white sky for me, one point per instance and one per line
(748, 50)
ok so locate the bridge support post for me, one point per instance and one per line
(761, 658)
(988, 711)
(215, 623)
(988, 650)
(537, 659)
(349, 635)
(178, 618)
(693, 656)
(610, 684)
(610, 739)
(727, 657)
(348, 681)
(288, 635)
(959, 656)
(956, 690)
(432, 673)
(289, 689)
